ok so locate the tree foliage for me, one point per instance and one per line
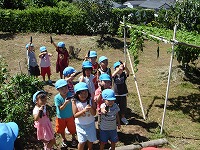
(99, 15)
(185, 13)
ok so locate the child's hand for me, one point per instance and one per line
(67, 101)
(87, 108)
(41, 108)
(104, 111)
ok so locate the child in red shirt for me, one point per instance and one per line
(62, 59)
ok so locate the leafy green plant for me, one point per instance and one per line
(16, 102)
(4, 74)
(184, 53)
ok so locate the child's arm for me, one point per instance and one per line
(126, 69)
(98, 97)
(93, 108)
(118, 121)
(41, 54)
(54, 44)
(115, 72)
(75, 110)
(67, 101)
(81, 79)
(37, 116)
(50, 54)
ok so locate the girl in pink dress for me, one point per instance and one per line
(42, 123)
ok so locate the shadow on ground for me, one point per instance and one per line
(110, 42)
(7, 36)
(189, 105)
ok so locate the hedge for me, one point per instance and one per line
(62, 20)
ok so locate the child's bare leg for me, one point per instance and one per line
(51, 143)
(63, 136)
(61, 75)
(48, 77)
(112, 146)
(81, 146)
(43, 77)
(102, 145)
(90, 145)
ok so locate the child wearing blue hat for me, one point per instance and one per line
(33, 68)
(45, 63)
(64, 114)
(119, 76)
(104, 83)
(84, 111)
(69, 75)
(92, 57)
(88, 77)
(109, 119)
(41, 120)
(103, 66)
(62, 58)
(8, 134)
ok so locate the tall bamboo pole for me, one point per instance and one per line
(134, 76)
(169, 76)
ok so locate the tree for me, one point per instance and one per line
(99, 13)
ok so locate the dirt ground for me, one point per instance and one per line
(181, 127)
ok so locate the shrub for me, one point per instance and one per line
(16, 102)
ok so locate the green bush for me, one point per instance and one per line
(16, 102)
(65, 20)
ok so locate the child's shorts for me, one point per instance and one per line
(86, 132)
(61, 124)
(34, 71)
(45, 70)
(110, 135)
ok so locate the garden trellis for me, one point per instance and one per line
(173, 42)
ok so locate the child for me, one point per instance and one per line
(33, 68)
(119, 76)
(62, 59)
(64, 113)
(42, 122)
(69, 75)
(105, 83)
(45, 63)
(103, 67)
(84, 111)
(88, 77)
(109, 118)
(92, 57)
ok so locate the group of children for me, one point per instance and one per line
(77, 105)
(45, 64)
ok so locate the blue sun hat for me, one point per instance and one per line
(42, 49)
(86, 64)
(108, 94)
(80, 86)
(93, 54)
(61, 44)
(27, 45)
(36, 94)
(102, 58)
(104, 77)
(68, 70)
(116, 64)
(8, 134)
(60, 83)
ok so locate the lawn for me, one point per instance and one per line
(182, 121)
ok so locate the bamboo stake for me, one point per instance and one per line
(126, 51)
(169, 76)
